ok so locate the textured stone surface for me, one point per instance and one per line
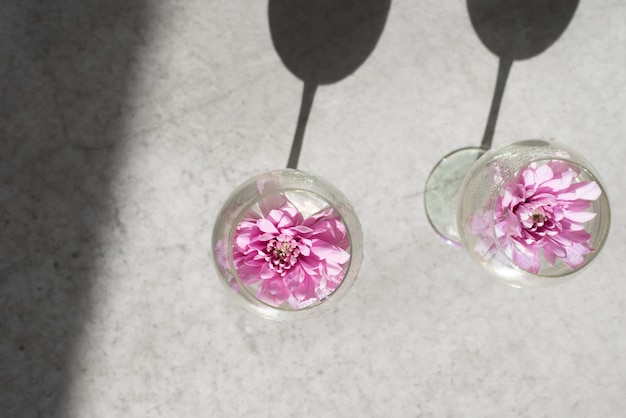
(124, 126)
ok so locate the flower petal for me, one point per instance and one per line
(579, 216)
(542, 174)
(586, 190)
(273, 292)
(527, 258)
(266, 226)
(274, 201)
(575, 255)
(328, 252)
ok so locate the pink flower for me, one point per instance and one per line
(292, 259)
(541, 211)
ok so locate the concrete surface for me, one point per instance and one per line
(124, 126)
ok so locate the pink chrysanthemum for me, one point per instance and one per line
(541, 210)
(292, 259)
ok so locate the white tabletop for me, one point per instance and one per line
(125, 125)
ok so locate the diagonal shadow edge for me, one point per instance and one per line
(67, 68)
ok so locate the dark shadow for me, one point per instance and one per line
(322, 42)
(66, 68)
(308, 94)
(516, 30)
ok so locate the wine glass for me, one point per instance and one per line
(533, 213)
(512, 30)
(288, 244)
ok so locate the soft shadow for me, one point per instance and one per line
(516, 30)
(322, 42)
(66, 70)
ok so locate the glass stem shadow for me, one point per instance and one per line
(308, 94)
(504, 68)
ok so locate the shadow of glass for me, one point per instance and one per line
(322, 42)
(67, 67)
(516, 30)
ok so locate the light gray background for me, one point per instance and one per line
(124, 128)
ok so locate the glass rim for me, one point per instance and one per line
(235, 209)
(604, 231)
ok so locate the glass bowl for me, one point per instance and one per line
(533, 213)
(287, 245)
